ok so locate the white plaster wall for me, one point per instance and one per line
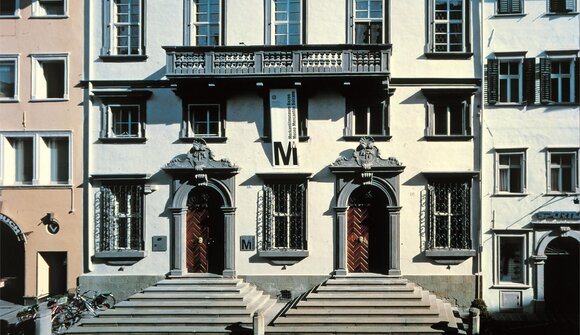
(533, 127)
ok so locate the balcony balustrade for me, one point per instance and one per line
(266, 61)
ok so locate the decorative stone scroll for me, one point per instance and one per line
(199, 158)
(366, 156)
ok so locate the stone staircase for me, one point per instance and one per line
(199, 304)
(366, 304)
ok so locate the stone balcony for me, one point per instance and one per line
(300, 61)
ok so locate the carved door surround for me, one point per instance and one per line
(366, 168)
(195, 170)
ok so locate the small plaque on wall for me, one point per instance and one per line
(159, 243)
(247, 243)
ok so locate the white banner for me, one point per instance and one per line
(284, 127)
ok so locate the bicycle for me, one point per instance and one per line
(98, 302)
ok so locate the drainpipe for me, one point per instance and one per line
(479, 293)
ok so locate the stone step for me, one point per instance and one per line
(364, 320)
(154, 312)
(160, 330)
(353, 295)
(168, 321)
(339, 329)
(165, 296)
(366, 288)
(190, 304)
(372, 310)
(198, 288)
(199, 281)
(363, 303)
(367, 281)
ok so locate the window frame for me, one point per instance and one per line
(498, 282)
(565, 3)
(270, 23)
(510, 6)
(575, 189)
(120, 98)
(430, 49)
(16, 59)
(508, 78)
(37, 60)
(546, 76)
(108, 49)
(37, 12)
(498, 168)
(112, 124)
(526, 82)
(367, 20)
(41, 154)
(189, 36)
(350, 125)
(15, 14)
(220, 120)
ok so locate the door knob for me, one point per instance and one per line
(200, 240)
(361, 239)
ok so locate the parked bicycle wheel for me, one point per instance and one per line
(104, 301)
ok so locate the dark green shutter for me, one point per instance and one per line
(492, 81)
(516, 6)
(529, 81)
(577, 80)
(502, 6)
(545, 85)
(570, 5)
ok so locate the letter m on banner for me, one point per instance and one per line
(284, 116)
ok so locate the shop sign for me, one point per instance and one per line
(284, 127)
(53, 227)
(247, 242)
(557, 216)
(15, 228)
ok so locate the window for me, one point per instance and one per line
(511, 260)
(35, 158)
(123, 24)
(8, 78)
(448, 118)
(123, 115)
(205, 22)
(510, 172)
(448, 26)
(368, 21)
(283, 22)
(205, 120)
(563, 167)
(449, 214)
(119, 217)
(364, 118)
(126, 121)
(49, 77)
(509, 6)
(511, 80)
(49, 8)
(557, 80)
(562, 6)
(284, 216)
(9, 7)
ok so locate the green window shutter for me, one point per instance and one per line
(492, 81)
(529, 81)
(570, 5)
(503, 6)
(466, 117)
(516, 6)
(577, 80)
(545, 86)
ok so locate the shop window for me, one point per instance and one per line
(511, 267)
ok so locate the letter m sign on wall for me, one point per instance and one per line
(284, 116)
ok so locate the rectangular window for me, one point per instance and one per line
(510, 81)
(563, 172)
(284, 216)
(448, 27)
(9, 7)
(126, 121)
(49, 79)
(562, 6)
(510, 172)
(558, 80)
(287, 22)
(509, 7)
(449, 215)
(448, 117)
(23, 159)
(368, 21)
(123, 25)
(49, 8)
(119, 217)
(8, 78)
(364, 118)
(206, 22)
(205, 120)
(511, 260)
(59, 159)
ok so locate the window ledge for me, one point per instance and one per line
(267, 139)
(448, 55)
(208, 139)
(509, 15)
(509, 195)
(448, 138)
(8, 100)
(48, 17)
(49, 100)
(9, 17)
(508, 104)
(553, 103)
(562, 13)
(123, 58)
(449, 256)
(123, 139)
(377, 138)
(38, 186)
(283, 257)
(511, 286)
(120, 257)
(560, 194)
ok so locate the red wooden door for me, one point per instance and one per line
(358, 239)
(197, 240)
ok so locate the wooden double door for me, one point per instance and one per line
(367, 236)
(204, 234)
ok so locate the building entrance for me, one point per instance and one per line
(367, 231)
(204, 232)
(11, 262)
(562, 276)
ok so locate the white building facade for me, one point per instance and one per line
(531, 138)
(283, 142)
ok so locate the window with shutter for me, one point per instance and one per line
(558, 80)
(511, 80)
(562, 6)
(509, 7)
(492, 81)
